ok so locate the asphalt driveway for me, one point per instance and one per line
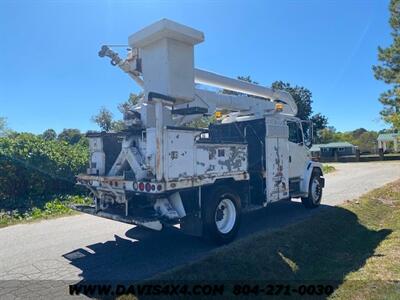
(84, 247)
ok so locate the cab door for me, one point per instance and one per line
(298, 152)
(277, 160)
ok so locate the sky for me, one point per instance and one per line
(52, 77)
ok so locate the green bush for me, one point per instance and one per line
(33, 169)
(328, 168)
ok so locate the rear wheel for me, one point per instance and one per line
(221, 214)
(314, 192)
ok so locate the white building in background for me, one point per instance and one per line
(385, 138)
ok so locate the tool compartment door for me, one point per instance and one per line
(277, 160)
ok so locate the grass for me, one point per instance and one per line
(55, 208)
(355, 247)
(328, 168)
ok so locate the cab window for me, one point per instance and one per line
(295, 134)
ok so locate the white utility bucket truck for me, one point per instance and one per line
(158, 171)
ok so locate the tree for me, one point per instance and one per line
(389, 70)
(130, 103)
(3, 126)
(301, 95)
(104, 119)
(319, 122)
(71, 136)
(4, 130)
(328, 135)
(49, 135)
(358, 132)
(366, 141)
(303, 98)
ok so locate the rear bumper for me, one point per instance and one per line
(151, 223)
(119, 184)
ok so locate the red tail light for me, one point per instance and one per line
(141, 186)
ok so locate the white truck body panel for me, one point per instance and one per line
(179, 154)
(277, 162)
(221, 159)
(186, 159)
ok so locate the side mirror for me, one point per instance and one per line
(307, 127)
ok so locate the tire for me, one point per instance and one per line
(314, 192)
(221, 215)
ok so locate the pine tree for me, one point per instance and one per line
(389, 70)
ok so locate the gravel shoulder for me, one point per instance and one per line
(351, 180)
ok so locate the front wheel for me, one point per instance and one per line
(314, 192)
(222, 215)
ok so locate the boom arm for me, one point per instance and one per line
(162, 60)
(240, 86)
